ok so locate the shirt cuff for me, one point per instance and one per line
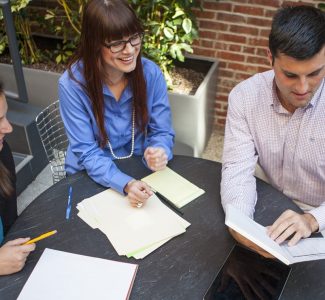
(119, 180)
(319, 214)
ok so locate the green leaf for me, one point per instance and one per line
(58, 59)
(187, 25)
(178, 13)
(168, 32)
(48, 16)
(180, 55)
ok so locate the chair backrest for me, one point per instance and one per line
(54, 139)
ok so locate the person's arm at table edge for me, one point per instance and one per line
(99, 167)
(234, 188)
(160, 131)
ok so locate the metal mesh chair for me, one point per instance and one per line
(54, 139)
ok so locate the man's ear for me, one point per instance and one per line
(270, 56)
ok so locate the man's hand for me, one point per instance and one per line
(138, 192)
(249, 244)
(156, 158)
(13, 255)
(292, 223)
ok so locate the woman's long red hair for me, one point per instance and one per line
(108, 20)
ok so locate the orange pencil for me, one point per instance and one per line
(42, 236)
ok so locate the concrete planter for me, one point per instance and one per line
(192, 114)
(41, 85)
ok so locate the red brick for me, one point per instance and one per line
(225, 90)
(222, 64)
(272, 3)
(263, 69)
(257, 60)
(235, 48)
(242, 76)
(208, 34)
(218, 6)
(204, 14)
(259, 22)
(221, 46)
(231, 18)
(226, 73)
(230, 56)
(295, 3)
(196, 43)
(249, 10)
(242, 67)
(227, 83)
(232, 38)
(221, 121)
(261, 52)
(217, 105)
(269, 13)
(265, 33)
(205, 52)
(260, 42)
(207, 44)
(243, 29)
(249, 50)
(222, 98)
(213, 25)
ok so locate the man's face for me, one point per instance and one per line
(297, 80)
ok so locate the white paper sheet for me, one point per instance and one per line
(130, 229)
(64, 276)
(173, 186)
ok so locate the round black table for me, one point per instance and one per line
(184, 267)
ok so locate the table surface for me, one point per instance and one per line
(184, 267)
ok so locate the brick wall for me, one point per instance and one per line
(236, 33)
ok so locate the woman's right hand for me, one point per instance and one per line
(138, 192)
(13, 255)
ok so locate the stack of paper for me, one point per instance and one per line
(132, 231)
(306, 249)
(173, 186)
(66, 276)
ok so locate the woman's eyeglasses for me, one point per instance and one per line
(119, 46)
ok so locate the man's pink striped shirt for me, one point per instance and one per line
(290, 148)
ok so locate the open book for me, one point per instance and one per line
(305, 250)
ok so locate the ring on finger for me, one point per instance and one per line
(139, 204)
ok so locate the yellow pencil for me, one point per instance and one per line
(42, 236)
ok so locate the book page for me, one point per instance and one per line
(254, 232)
(308, 247)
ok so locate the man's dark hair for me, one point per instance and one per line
(1, 88)
(298, 32)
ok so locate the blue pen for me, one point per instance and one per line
(67, 213)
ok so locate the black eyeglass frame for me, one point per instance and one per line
(110, 45)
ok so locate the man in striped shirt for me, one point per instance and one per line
(277, 119)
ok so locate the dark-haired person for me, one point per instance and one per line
(114, 102)
(277, 119)
(12, 254)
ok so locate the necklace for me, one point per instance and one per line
(132, 141)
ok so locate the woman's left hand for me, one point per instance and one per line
(156, 158)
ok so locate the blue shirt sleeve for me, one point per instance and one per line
(1, 231)
(160, 132)
(83, 151)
